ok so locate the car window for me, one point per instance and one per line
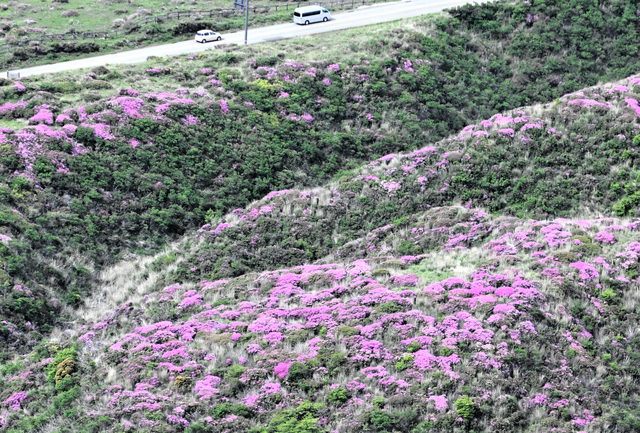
(325, 11)
(198, 34)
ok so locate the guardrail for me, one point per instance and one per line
(113, 34)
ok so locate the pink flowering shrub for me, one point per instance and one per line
(15, 400)
(605, 237)
(587, 271)
(373, 282)
(281, 370)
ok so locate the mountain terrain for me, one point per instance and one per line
(427, 226)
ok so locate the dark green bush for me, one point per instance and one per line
(302, 419)
(66, 399)
(298, 372)
(337, 396)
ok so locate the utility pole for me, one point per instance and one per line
(239, 4)
(246, 21)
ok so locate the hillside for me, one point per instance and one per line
(412, 307)
(96, 191)
(536, 339)
(421, 227)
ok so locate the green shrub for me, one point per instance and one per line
(62, 355)
(66, 398)
(302, 419)
(587, 249)
(242, 410)
(298, 372)
(99, 425)
(336, 360)
(236, 371)
(380, 420)
(98, 85)
(337, 396)
(198, 427)
(9, 369)
(266, 61)
(404, 363)
(608, 295)
(446, 351)
(583, 239)
(380, 273)
(566, 257)
(220, 411)
(390, 307)
(66, 384)
(348, 331)
(465, 407)
(414, 346)
(423, 427)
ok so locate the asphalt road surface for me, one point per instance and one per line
(362, 16)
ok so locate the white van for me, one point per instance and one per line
(311, 14)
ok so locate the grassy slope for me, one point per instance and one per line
(168, 31)
(577, 369)
(407, 111)
(540, 166)
(97, 16)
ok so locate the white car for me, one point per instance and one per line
(207, 36)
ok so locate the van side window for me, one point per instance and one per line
(308, 14)
(325, 11)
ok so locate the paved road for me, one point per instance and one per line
(362, 16)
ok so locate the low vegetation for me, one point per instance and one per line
(433, 229)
